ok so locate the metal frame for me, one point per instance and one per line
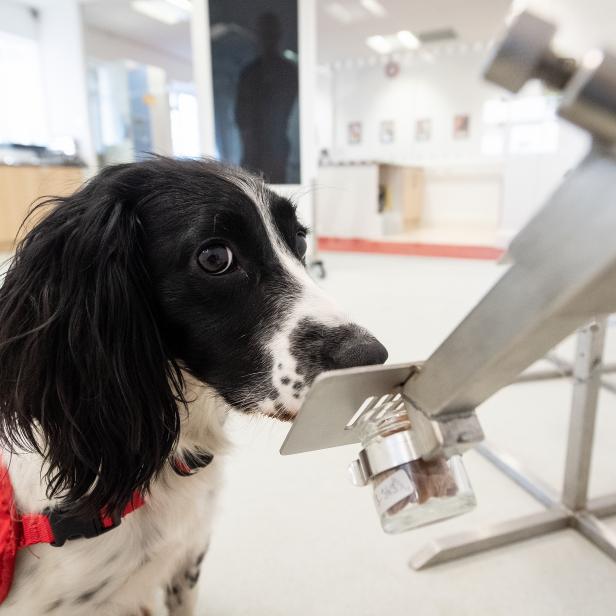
(316, 264)
(562, 274)
(572, 509)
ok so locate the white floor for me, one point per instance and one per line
(295, 538)
(462, 235)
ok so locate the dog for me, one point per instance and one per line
(135, 315)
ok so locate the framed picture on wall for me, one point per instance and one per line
(354, 133)
(423, 129)
(461, 126)
(387, 131)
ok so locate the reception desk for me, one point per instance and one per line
(368, 200)
(21, 185)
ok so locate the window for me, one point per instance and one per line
(22, 109)
(184, 124)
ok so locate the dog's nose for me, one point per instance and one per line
(359, 350)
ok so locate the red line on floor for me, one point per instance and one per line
(452, 251)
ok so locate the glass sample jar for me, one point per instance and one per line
(408, 490)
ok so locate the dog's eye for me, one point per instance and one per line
(216, 259)
(300, 244)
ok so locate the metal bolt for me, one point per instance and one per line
(525, 53)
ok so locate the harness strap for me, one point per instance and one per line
(56, 526)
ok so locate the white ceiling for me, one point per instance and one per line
(116, 17)
(473, 20)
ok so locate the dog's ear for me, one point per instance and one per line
(85, 376)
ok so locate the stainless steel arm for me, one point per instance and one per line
(563, 273)
(563, 268)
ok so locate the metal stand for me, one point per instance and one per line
(316, 263)
(572, 509)
(562, 274)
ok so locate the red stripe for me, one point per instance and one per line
(35, 529)
(451, 251)
(135, 502)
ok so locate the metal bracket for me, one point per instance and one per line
(588, 86)
(339, 400)
(572, 509)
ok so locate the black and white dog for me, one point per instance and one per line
(133, 317)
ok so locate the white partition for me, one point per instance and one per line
(463, 196)
(347, 201)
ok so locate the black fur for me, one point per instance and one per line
(81, 352)
(106, 303)
(103, 304)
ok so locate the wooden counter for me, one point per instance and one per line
(20, 186)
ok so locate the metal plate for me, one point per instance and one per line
(334, 399)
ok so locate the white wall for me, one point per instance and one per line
(465, 185)
(104, 46)
(64, 74)
(159, 111)
(56, 26)
(324, 108)
(437, 90)
(18, 19)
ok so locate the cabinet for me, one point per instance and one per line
(402, 189)
(20, 186)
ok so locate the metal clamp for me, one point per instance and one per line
(391, 451)
(426, 439)
(588, 86)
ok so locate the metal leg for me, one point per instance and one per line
(508, 465)
(587, 375)
(496, 536)
(573, 509)
(602, 507)
(596, 532)
(316, 263)
(563, 371)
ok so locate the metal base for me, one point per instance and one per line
(572, 508)
(556, 517)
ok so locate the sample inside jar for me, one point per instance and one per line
(413, 482)
(419, 491)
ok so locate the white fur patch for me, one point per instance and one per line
(312, 303)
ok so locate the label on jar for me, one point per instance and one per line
(392, 490)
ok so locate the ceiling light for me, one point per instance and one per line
(374, 7)
(169, 12)
(408, 39)
(379, 43)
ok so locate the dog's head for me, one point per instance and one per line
(150, 270)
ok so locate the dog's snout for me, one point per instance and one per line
(317, 347)
(361, 349)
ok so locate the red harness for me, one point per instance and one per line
(53, 526)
